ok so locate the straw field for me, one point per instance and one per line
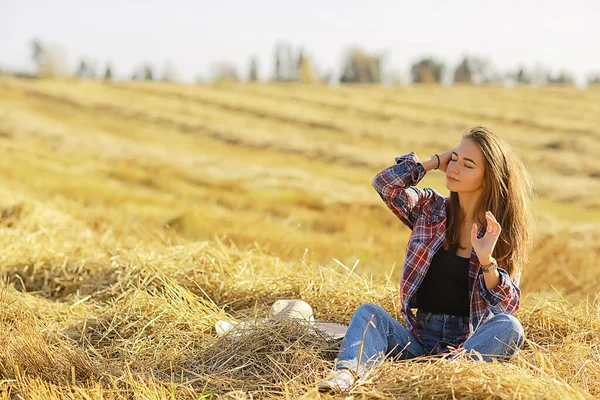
(134, 216)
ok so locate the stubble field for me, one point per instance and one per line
(133, 216)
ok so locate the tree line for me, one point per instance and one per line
(358, 66)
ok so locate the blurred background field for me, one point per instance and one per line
(135, 215)
(254, 165)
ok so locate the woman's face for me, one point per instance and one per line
(467, 167)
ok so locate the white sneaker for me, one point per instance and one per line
(342, 381)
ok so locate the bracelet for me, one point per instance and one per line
(490, 267)
(438, 158)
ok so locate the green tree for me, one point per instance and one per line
(360, 67)
(85, 70)
(278, 74)
(50, 60)
(224, 72)
(148, 75)
(291, 70)
(253, 73)
(170, 73)
(593, 79)
(286, 66)
(473, 69)
(38, 53)
(462, 73)
(427, 70)
(522, 75)
(108, 73)
(300, 59)
(563, 77)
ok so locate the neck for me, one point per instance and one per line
(468, 203)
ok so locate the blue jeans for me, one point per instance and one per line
(498, 338)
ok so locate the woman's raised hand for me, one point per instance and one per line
(484, 247)
(445, 160)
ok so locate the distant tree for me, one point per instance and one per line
(287, 67)
(522, 75)
(538, 75)
(481, 70)
(81, 70)
(474, 69)
(360, 67)
(108, 74)
(147, 73)
(85, 70)
(281, 62)
(291, 65)
(224, 72)
(253, 73)
(91, 70)
(170, 73)
(50, 60)
(278, 76)
(300, 59)
(593, 79)
(307, 73)
(427, 70)
(564, 77)
(37, 52)
(462, 73)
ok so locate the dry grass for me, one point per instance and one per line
(133, 217)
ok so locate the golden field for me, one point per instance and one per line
(133, 216)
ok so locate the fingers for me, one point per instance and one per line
(492, 224)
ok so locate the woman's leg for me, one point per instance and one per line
(500, 337)
(387, 338)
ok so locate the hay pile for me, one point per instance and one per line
(99, 314)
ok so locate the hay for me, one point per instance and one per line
(110, 288)
(264, 357)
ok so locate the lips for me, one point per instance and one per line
(452, 179)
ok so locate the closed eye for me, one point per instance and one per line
(464, 164)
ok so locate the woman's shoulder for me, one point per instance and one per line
(436, 203)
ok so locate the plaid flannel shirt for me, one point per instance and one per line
(424, 212)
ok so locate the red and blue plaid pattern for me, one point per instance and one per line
(424, 212)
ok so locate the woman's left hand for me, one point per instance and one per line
(485, 246)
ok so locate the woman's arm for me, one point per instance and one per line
(431, 163)
(506, 296)
(396, 186)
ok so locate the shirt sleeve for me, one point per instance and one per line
(504, 298)
(396, 187)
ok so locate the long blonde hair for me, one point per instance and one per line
(508, 193)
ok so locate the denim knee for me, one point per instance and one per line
(367, 309)
(514, 329)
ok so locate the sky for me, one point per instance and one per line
(194, 36)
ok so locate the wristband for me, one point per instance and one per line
(490, 267)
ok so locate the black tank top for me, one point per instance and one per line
(445, 288)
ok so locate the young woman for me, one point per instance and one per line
(463, 261)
